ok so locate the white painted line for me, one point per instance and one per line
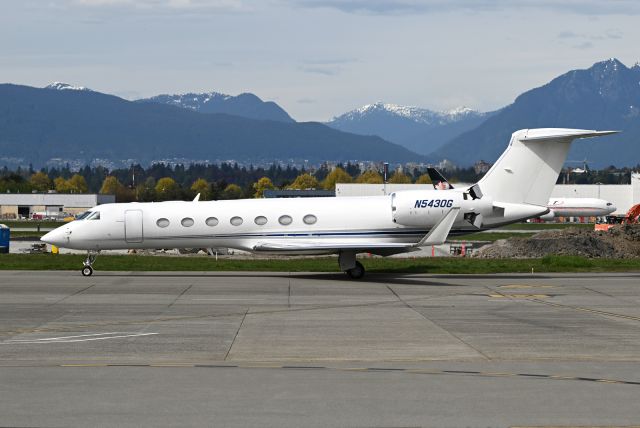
(70, 337)
(239, 298)
(86, 339)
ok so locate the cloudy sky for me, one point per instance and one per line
(316, 58)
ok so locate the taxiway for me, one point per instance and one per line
(248, 349)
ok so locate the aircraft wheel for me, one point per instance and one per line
(87, 271)
(356, 272)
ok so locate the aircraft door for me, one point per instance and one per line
(133, 226)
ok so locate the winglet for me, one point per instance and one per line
(197, 198)
(438, 234)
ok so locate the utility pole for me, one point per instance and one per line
(385, 174)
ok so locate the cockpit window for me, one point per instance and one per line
(84, 215)
(94, 216)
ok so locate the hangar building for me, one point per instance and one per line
(24, 205)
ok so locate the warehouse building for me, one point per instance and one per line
(623, 196)
(48, 205)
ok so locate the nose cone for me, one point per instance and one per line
(58, 237)
(611, 208)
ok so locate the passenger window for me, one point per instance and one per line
(211, 221)
(162, 222)
(187, 222)
(260, 220)
(309, 219)
(285, 220)
(236, 221)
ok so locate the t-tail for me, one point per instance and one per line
(528, 169)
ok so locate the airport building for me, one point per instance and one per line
(623, 196)
(53, 205)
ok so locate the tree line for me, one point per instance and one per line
(161, 182)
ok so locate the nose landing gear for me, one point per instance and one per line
(87, 269)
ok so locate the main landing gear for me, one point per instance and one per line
(349, 264)
(87, 269)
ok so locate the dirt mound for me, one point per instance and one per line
(620, 242)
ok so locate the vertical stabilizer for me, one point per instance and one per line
(529, 168)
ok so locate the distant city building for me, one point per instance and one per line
(481, 167)
(52, 205)
(446, 165)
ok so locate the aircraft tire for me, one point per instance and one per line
(87, 271)
(356, 272)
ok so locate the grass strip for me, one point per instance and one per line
(31, 223)
(490, 236)
(441, 265)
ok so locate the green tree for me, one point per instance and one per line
(77, 184)
(304, 181)
(232, 191)
(202, 186)
(146, 192)
(167, 189)
(424, 179)
(41, 181)
(338, 175)
(399, 177)
(370, 177)
(112, 186)
(261, 185)
(61, 185)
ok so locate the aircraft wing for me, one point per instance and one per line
(331, 247)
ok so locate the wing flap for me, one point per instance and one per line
(330, 246)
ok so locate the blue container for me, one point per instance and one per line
(5, 237)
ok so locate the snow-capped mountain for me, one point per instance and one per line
(415, 114)
(416, 128)
(244, 105)
(60, 86)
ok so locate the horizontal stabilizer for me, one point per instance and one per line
(569, 134)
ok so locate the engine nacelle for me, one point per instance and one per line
(548, 216)
(424, 208)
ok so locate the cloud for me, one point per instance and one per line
(232, 5)
(568, 35)
(585, 41)
(582, 7)
(584, 45)
(325, 71)
(330, 61)
(306, 101)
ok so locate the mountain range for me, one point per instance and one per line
(418, 129)
(605, 96)
(243, 105)
(38, 124)
(73, 122)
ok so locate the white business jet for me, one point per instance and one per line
(558, 207)
(517, 187)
